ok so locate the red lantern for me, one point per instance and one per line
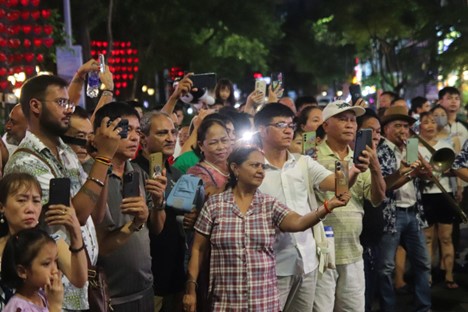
(35, 2)
(35, 14)
(37, 42)
(117, 77)
(24, 2)
(2, 27)
(29, 70)
(45, 13)
(4, 85)
(3, 57)
(48, 42)
(18, 84)
(27, 43)
(14, 43)
(129, 60)
(3, 42)
(135, 68)
(3, 71)
(130, 77)
(40, 58)
(118, 85)
(48, 29)
(25, 15)
(129, 51)
(117, 92)
(37, 29)
(124, 76)
(29, 57)
(2, 13)
(124, 84)
(27, 29)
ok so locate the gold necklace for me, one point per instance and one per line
(216, 169)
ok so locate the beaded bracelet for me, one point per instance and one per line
(76, 250)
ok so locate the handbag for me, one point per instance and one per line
(98, 291)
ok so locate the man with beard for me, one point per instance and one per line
(42, 153)
(15, 128)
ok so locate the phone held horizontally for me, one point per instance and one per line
(341, 179)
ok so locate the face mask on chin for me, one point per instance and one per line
(441, 121)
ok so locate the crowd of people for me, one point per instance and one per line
(252, 246)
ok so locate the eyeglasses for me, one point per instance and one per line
(63, 103)
(284, 125)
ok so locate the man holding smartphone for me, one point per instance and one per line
(403, 212)
(42, 153)
(123, 235)
(169, 248)
(343, 288)
(296, 253)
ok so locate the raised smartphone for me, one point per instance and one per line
(156, 165)
(341, 179)
(131, 184)
(123, 124)
(59, 191)
(260, 86)
(355, 92)
(308, 143)
(276, 80)
(102, 63)
(412, 150)
(206, 80)
(363, 139)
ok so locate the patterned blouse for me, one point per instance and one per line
(462, 159)
(242, 267)
(388, 164)
(44, 169)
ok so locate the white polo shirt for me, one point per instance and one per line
(295, 252)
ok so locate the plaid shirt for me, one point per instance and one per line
(242, 267)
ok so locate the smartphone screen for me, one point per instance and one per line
(355, 92)
(131, 184)
(276, 80)
(341, 179)
(308, 143)
(156, 165)
(363, 139)
(59, 191)
(412, 150)
(102, 63)
(260, 86)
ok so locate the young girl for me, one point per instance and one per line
(29, 264)
(224, 92)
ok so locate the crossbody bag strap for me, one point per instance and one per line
(209, 173)
(30, 151)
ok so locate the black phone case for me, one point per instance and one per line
(207, 80)
(131, 184)
(123, 124)
(363, 138)
(59, 191)
(355, 91)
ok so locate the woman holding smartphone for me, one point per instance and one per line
(20, 208)
(238, 228)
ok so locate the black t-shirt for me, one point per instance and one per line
(372, 225)
(168, 248)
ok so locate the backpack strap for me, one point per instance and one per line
(209, 173)
(30, 151)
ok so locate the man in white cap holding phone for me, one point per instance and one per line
(342, 288)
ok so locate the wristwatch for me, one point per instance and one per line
(135, 228)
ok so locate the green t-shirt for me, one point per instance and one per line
(185, 161)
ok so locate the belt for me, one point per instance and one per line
(410, 208)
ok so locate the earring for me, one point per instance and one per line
(1, 218)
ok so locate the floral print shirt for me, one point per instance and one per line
(388, 164)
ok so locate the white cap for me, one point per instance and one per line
(337, 107)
